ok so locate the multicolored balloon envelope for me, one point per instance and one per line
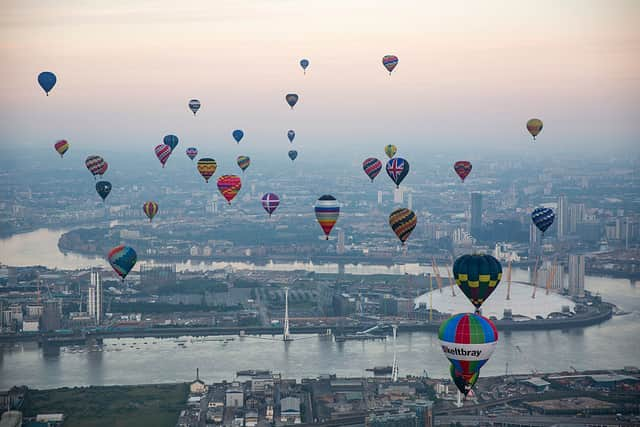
(543, 218)
(304, 63)
(103, 169)
(468, 340)
(122, 259)
(171, 141)
(47, 80)
(150, 209)
(462, 168)
(291, 134)
(292, 99)
(207, 167)
(293, 154)
(192, 152)
(243, 162)
(534, 126)
(372, 167)
(477, 276)
(61, 147)
(397, 169)
(229, 185)
(103, 188)
(390, 150)
(163, 151)
(194, 106)
(389, 62)
(402, 222)
(270, 202)
(464, 383)
(95, 164)
(237, 134)
(327, 211)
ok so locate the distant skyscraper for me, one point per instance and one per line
(51, 316)
(340, 245)
(94, 300)
(398, 196)
(534, 240)
(379, 197)
(410, 201)
(576, 216)
(563, 217)
(576, 275)
(476, 214)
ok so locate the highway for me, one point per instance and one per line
(531, 420)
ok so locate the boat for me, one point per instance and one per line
(380, 370)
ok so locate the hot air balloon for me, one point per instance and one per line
(462, 168)
(47, 80)
(103, 169)
(304, 63)
(534, 126)
(243, 162)
(293, 154)
(371, 167)
(194, 106)
(237, 135)
(122, 259)
(61, 147)
(95, 165)
(292, 99)
(390, 150)
(229, 185)
(402, 222)
(389, 62)
(207, 167)
(163, 151)
(291, 134)
(270, 203)
(103, 188)
(150, 209)
(192, 152)
(468, 340)
(397, 169)
(543, 218)
(327, 212)
(171, 141)
(477, 276)
(464, 383)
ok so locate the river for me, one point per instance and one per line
(610, 345)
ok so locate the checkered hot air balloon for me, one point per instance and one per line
(543, 218)
(270, 203)
(477, 276)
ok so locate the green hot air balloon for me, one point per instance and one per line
(477, 276)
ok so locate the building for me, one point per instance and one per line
(576, 275)
(198, 386)
(379, 197)
(11, 419)
(234, 396)
(423, 410)
(155, 276)
(398, 196)
(290, 410)
(51, 316)
(94, 298)
(392, 420)
(410, 201)
(534, 240)
(562, 215)
(475, 226)
(340, 244)
(576, 216)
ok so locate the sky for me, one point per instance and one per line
(470, 74)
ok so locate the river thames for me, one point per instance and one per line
(610, 345)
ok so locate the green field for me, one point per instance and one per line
(116, 406)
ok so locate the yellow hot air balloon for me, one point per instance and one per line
(390, 150)
(207, 167)
(534, 126)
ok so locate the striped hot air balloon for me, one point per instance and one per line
(207, 167)
(403, 221)
(372, 167)
(327, 211)
(389, 62)
(122, 259)
(150, 209)
(462, 168)
(270, 203)
(61, 147)
(477, 276)
(543, 218)
(229, 186)
(163, 151)
(194, 106)
(95, 164)
(192, 152)
(243, 162)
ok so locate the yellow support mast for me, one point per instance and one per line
(451, 282)
(535, 278)
(436, 270)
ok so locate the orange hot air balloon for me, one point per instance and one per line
(150, 210)
(229, 186)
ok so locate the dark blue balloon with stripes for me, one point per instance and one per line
(543, 218)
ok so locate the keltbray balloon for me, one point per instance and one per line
(192, 152)
(270, 203)
(468, 340)
(194, 106)
(291, 134)
(171, 141)
(163, 151)
(543, 218)
(122, 259)
(237, 135)
(229, 186)
(372, 167)
(61, 147)
(534, 126)
(207, 167)
(291, 99)
(293, 154)
(243, 162)
(304, 63)
(464, 383)
(327, 211)
(389, 62)
(402, 222)
(462, 168)
(95, 165)
(477, 276)
(390, 150)
(103, 188)
(47, 80)
(397, 169)
(150, 209)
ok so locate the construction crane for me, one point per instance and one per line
(437, 272)
(509, 280)
(535, 277)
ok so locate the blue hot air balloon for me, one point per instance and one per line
(47, 81)
(237, 135)
(122, 259)
(293, 154)
(304, 63)
(543, 218)
(291, 134)
(171, 141)
(103, 188)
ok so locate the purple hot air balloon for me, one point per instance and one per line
(270, 202)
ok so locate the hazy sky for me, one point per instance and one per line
(470, 73)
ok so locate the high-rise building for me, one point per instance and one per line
(563, 217)
(534, 240)
(155, 275)
(410, 201)
(379, 197)
(398, 196)
(51, 316)
(340, 244)
(576, 275)
(576, 216)
(94, 300)
(476, 214)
